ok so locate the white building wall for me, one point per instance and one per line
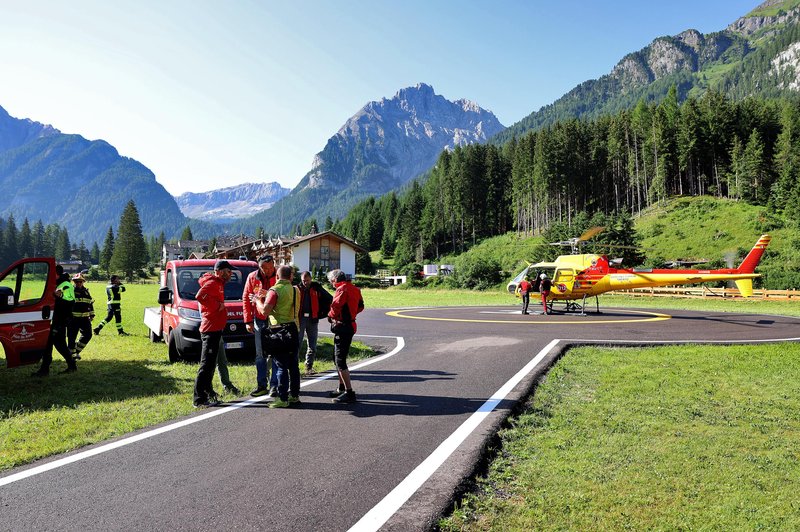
(301, 256)
(348, 260)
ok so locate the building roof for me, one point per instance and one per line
(351, 243)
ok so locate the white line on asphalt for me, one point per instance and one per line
(381, 512)
(186, 422)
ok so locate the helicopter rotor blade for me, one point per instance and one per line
(592, 231)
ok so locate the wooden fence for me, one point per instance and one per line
(707, 292)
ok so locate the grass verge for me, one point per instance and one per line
(124, 383)
(668, 438)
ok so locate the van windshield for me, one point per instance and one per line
(187, 281)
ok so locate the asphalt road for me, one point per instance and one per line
(427, 407)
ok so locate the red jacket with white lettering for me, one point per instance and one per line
(211, 298)
(347, 302)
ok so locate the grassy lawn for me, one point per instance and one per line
(414, 297)
(122, 384)
(673, 438)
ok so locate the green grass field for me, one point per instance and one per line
(123, 383)
(669, 438)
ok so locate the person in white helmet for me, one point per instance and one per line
(544, 289)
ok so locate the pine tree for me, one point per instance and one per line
(328, 223)
(95, 253)
(130, 249)
(11, 240)
(38, 239)
(25, 240)
(108, 252)
(187, 234)
(63, 249)
(83, 253)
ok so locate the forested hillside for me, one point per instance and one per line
(745, 150)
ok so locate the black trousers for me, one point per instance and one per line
(526, 299)
(208, 362)
(341, 345)
(79, 325)
(58, 339)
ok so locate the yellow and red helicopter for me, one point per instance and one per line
(580, 276)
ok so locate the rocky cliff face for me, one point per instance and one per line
(691, 61)
(391, 141)
(15, 132)
(231, 203)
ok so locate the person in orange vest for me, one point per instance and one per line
(347, 303)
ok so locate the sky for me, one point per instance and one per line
(210, 94)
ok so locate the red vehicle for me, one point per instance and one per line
(27, 298)
(177, 320)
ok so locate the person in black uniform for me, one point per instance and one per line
(62, 314)
(113, 290)
(82, 316)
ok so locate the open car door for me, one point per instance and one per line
(27, 297)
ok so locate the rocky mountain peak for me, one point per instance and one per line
(755, 22)
(15, 132)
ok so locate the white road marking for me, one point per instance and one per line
(386, 508)
(61, 462)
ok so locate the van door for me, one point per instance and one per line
(27, 297)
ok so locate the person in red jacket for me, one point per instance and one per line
(524, 290)
(255, 287)
(213, 317)
(315, 302)
(347, 302)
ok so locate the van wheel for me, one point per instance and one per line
(155, 338)
(172, 349)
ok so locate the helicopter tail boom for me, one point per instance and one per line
(752, 259)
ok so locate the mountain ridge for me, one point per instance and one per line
(380, 148)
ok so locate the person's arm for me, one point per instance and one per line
(247, 305)
(267, 303)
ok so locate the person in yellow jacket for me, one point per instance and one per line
(281, 304)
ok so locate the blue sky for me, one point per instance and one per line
(209, 94)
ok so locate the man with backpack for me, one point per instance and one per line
(315, 302)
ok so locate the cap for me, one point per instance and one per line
(265, 258)
(78, 277)
(222, 264)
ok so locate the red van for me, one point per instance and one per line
(177, 320)
(27, 298)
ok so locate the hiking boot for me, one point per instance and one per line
(294, 400)
(96, 331)
(258, 392)
(273, 392)
(206, 403)
(279, 403)
(336, 393)
(347, 397)
(41, 373)
(231, 389)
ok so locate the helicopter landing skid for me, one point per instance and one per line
(577, 308)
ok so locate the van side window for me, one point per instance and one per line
(28, 281)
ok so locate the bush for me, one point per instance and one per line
(477, 272)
